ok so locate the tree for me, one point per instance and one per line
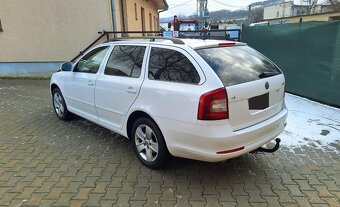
(255, 15)
(311, 4)
(334, 4)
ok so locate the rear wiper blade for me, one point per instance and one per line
(267, 74)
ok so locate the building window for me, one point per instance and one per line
(277, 14)
(1, 26)
(136, 12)
(150, 21)
(155, 23)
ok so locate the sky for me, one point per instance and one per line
(188, 7)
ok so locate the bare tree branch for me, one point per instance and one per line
(334, 4)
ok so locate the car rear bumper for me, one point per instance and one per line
(202, 142)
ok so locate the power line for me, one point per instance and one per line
(213, 4)
(178, 5)
(225, 4)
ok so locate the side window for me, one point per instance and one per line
(171, 65)
(91, 62)
(125, 60)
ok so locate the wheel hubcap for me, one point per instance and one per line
(58, 104)
(146, 143)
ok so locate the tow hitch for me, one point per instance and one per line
(262, 149)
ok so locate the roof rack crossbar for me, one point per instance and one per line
(152, 39)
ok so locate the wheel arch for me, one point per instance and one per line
(54, 86)
(133, 117)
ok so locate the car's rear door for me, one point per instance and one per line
(255, 86)
(172, 85)
(79, 84)
(118, 85)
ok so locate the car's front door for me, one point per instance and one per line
(118, 87)
(79, 86)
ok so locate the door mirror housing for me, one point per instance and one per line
(68, 66)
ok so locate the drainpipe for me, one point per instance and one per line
(114, 15)
(122, 16)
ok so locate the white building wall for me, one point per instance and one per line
(279, 10)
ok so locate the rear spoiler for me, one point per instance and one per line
(220, 44)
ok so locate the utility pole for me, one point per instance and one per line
(202, 13)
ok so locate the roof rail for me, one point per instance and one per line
(152, 39)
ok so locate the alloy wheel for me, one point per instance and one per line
(58, 104)
(146, 143)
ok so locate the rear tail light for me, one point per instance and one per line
(213, 105)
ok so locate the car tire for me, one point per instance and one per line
(149, 144)
(59, 105)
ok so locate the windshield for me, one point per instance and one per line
(238, 64)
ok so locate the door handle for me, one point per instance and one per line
(131, 90)
(90, 83)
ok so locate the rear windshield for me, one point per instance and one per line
(238, 64)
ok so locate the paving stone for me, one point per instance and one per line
(196, 194)
(167, 203)
(168, 194)
(64, 199)
(255, 196)
(83, 193)
(123, 199)
(302, 201)
(77, 202)
(228, 204)
(272, 201)
(35, 199)
(242, 200)
(238, 190)
(284, 196)
(294, 190)
(153, 200)
(155, 188)
(108, 203)
(212, 200)
(54, 194)
(333, 202)
(48, 162)
(323, 191)
(8, 197)
(313, 197)
(100, 187)
(304, 185)
(94, 199)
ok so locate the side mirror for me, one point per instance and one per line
(68, 66)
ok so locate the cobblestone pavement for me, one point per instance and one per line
(45, 162)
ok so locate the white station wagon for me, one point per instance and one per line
(207, 100)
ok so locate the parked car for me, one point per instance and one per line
(206, 100)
